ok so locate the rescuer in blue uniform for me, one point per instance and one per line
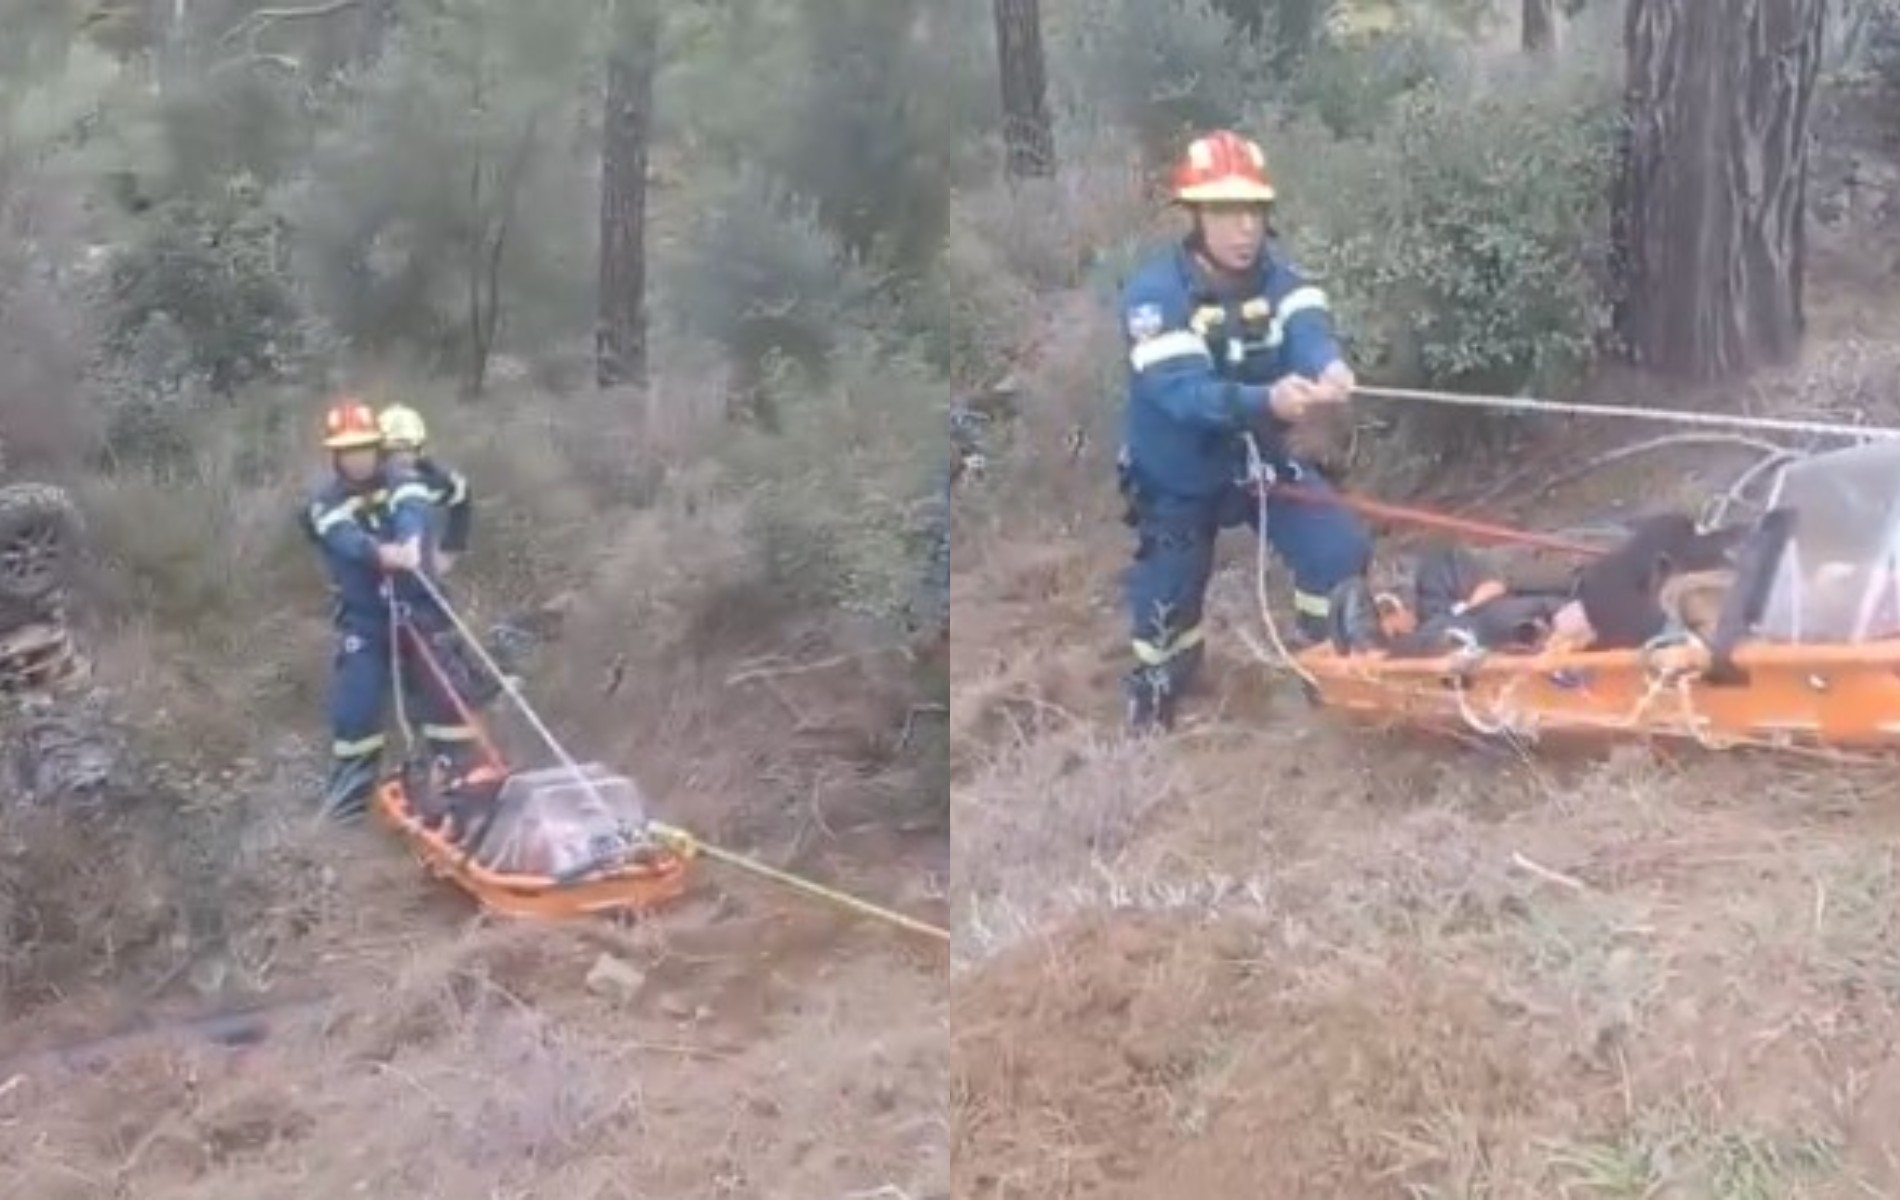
(371, 523)
(405, 447)
(1224, 339)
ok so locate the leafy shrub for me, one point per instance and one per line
(757, 276)
(1290, 29)
(1463, 242)
(396, 258)
(844, 502)
(884, 122)
(1351, 84)
(1159, 68)
(207, 279)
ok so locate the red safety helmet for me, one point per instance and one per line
(1222, 168)
(351, 425)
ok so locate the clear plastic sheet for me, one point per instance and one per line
(1837, 581)
(553, 822)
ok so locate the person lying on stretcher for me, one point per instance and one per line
(552, 823)
(1666, 574)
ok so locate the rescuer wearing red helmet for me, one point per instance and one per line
(370, 521)
(1224, 338)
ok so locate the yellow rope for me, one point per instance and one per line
(688, 846)
(682, 842)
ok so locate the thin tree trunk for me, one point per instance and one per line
(1713, 192)
(1028, 133)
(620, 344)
(1539, 26)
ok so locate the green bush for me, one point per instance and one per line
(1463, 242)
(443, 175)
(884, 122)
(1160, 68)
(1351, 85)
(201, 291)
(756, 275)
(1290, 29)
(844, 502)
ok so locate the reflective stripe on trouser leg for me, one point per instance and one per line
(1307, 604)
(1166, 590)
(356, 748)
(1159, 653)
(1322, 544)
(433, 700)
(453, 742)
(358, 684)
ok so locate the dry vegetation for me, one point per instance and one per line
(771, 1049)
(1274, 955)
(720, 608)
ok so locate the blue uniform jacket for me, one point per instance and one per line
(450, 491)
(1200, 363)
(349, 521)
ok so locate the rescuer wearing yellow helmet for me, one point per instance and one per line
(405, 434)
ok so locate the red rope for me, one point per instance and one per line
(1398, 514)
(446, 691)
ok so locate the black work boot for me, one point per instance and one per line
(346, 797)
(1150, 692)
(425, 782)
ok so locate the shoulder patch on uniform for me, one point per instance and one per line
(1145, 321)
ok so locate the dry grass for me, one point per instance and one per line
(1363, 967)
(1271, 956)
(776, 1050)
(399, 1087)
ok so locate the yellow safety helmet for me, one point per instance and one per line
(403, 427)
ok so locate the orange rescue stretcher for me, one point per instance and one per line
(553, 843)
(541, 844)
(1804, 652)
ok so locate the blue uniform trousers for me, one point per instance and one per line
(1322, 544)
(364, 676)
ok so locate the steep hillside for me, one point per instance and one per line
(664, 349)
(1274, 954)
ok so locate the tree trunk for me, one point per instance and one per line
(1712, 198)
(620, 342)
(1539, 25)
(1028, 133)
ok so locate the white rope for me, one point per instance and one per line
(1260, 478)
(513, 691)
(397, 681)
(1666, 416)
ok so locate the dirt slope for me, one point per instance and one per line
(1275, 956)
(747, 1043)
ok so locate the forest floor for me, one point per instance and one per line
(746, 1042)
(1277, 955)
